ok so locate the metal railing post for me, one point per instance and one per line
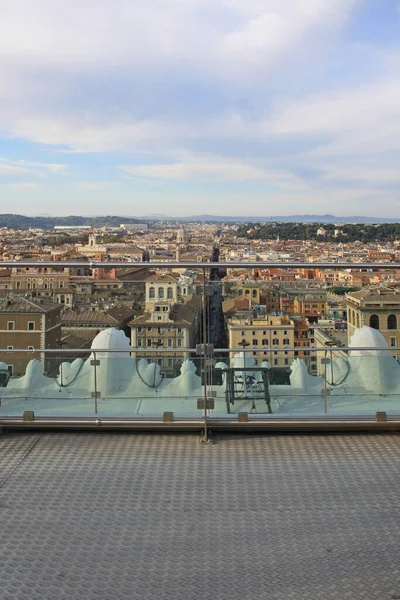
(95, 383)
(325, 382)
(205, 360)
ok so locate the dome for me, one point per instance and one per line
(112, 339)
(367, 337)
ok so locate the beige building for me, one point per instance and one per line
(265, 336)
(311, 303)
(170, 327)
(27, 325)
(171, 320)
(377, 307)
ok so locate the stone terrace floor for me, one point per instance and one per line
(127, 515)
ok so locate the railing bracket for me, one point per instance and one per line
(168, 417)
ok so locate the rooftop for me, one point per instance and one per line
(113, 515)
(18, 304)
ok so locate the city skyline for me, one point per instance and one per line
(235, 108)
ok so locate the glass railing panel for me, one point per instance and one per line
(365, 383)
(143, 385)
(51, 384)
(266, 383)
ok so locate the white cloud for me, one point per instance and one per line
(215, 91)
(21, 168)
(197, 168)
(131, 32)
(372, 175)
(12, 171)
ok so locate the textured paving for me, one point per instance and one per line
(110, 516)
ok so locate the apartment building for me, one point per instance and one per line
(26, 325)
(260, 294)
(311, 303)
(263, 336)
(377, 307)
(303, 338)
(171, 327)
(171, 320)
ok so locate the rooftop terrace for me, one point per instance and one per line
(113, 515)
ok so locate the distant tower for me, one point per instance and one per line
(92, 240)
(178, 254)
(146, 256)
(182, 236)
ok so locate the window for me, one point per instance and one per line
(169, 343)
(275, 333)
(139, 330)
(170, 292)
(31, 348)
(265, 342)
(149, 342)
(179, 329)
(159, 329)
(275, 342)
(243, 333)
(149, 329)
(374, 321)
(161, 292)
(10, 325)
(139, 343)
(31, 326)
(286, 361)
(275, 361)
(255, 342)
(179, 342)
(253, 333)
(393, 342)
(152, 292)
(159, 319)
(264, 333)
(10, 369)
(285, 333)
(392, 322)
(10, 347)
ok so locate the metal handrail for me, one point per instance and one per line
(194, 350)
(202, 265)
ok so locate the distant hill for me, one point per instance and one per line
(281, 219)
(43, 222)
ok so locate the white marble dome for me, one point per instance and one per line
(367, 337)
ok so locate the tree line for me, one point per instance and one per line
(385, 232)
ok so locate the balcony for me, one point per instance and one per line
(204, 386)
(107, 515)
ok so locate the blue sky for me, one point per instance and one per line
(180, 107)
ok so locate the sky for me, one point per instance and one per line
(185, 107)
